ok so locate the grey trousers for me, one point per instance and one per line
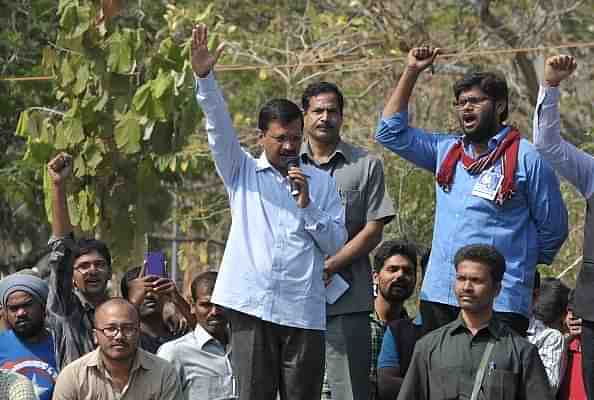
(348, 356)
(269, 358)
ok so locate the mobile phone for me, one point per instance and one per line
(155, 264)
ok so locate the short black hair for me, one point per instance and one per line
(391, 248)
(130, 275)
(490, 83)
(484, 254)
(86, 246)
(318, 88)
(204, 280)
(552, 302)
(281, 110)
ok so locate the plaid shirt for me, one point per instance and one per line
(378, 327)
(15, 387)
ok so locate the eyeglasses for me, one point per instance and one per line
(472, 101)
(84, 267)
(287, 139)
(112, 331)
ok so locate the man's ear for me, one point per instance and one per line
(375, 277)
(497, 288)
(500, 107)
(95, 341)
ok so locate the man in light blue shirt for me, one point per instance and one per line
(202, 357)
(270, 280)
(577, 167)
(492, 187)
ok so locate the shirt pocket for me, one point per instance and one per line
(445, 383)
(501, 384)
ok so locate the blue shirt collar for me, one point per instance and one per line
(493, 142)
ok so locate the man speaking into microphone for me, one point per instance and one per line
(286, 219)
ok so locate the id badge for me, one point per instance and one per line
(488, 184)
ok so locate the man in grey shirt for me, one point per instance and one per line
(360, 181)
(202, 357)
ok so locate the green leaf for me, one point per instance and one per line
(100, 106)
(61, 142)
(73, 130)
(141, 97)
(25, 125)
(47, 194)
(49, 59)
(119, 59)
(82, 77)
(80, 166)
(68, 18)
(73, 210)
(66, 73)
(83, 20)
(127, 134)
(93, 155)
(202, 16)
(161, 84)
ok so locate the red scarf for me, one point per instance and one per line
(507, 148)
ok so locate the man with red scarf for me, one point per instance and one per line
(491, 187)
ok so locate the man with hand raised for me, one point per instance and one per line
(270, 280)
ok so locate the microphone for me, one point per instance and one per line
(293, 161)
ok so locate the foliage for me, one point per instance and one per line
(124, 103)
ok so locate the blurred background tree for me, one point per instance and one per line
(122, 103)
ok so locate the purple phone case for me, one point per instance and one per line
(155, 264)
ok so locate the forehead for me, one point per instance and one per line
(117, 314)
(473, 268)
(18, 297)
(397, 260)
(91, 256)
(203, 296)
(474, 91)
(293, 128)
(327, 100)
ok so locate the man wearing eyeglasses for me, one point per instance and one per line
(80, 270)
(118, 368)
(491, 187)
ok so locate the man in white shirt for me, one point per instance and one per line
(202, 357)
(286, 219)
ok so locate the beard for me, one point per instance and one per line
(27, 329)
(485, 129)
(396, 292)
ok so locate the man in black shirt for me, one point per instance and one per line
(446, 362)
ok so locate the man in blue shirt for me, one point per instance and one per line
(492, 187)
(27, 347)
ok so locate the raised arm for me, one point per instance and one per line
(222, 139)
(393, 132)
(61, 259)
(59, 170)
(418, 59)
(570, 162)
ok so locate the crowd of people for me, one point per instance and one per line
(297, 309)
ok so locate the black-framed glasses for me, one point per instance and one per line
(85, 267)
(113, 330)
(472, 101)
